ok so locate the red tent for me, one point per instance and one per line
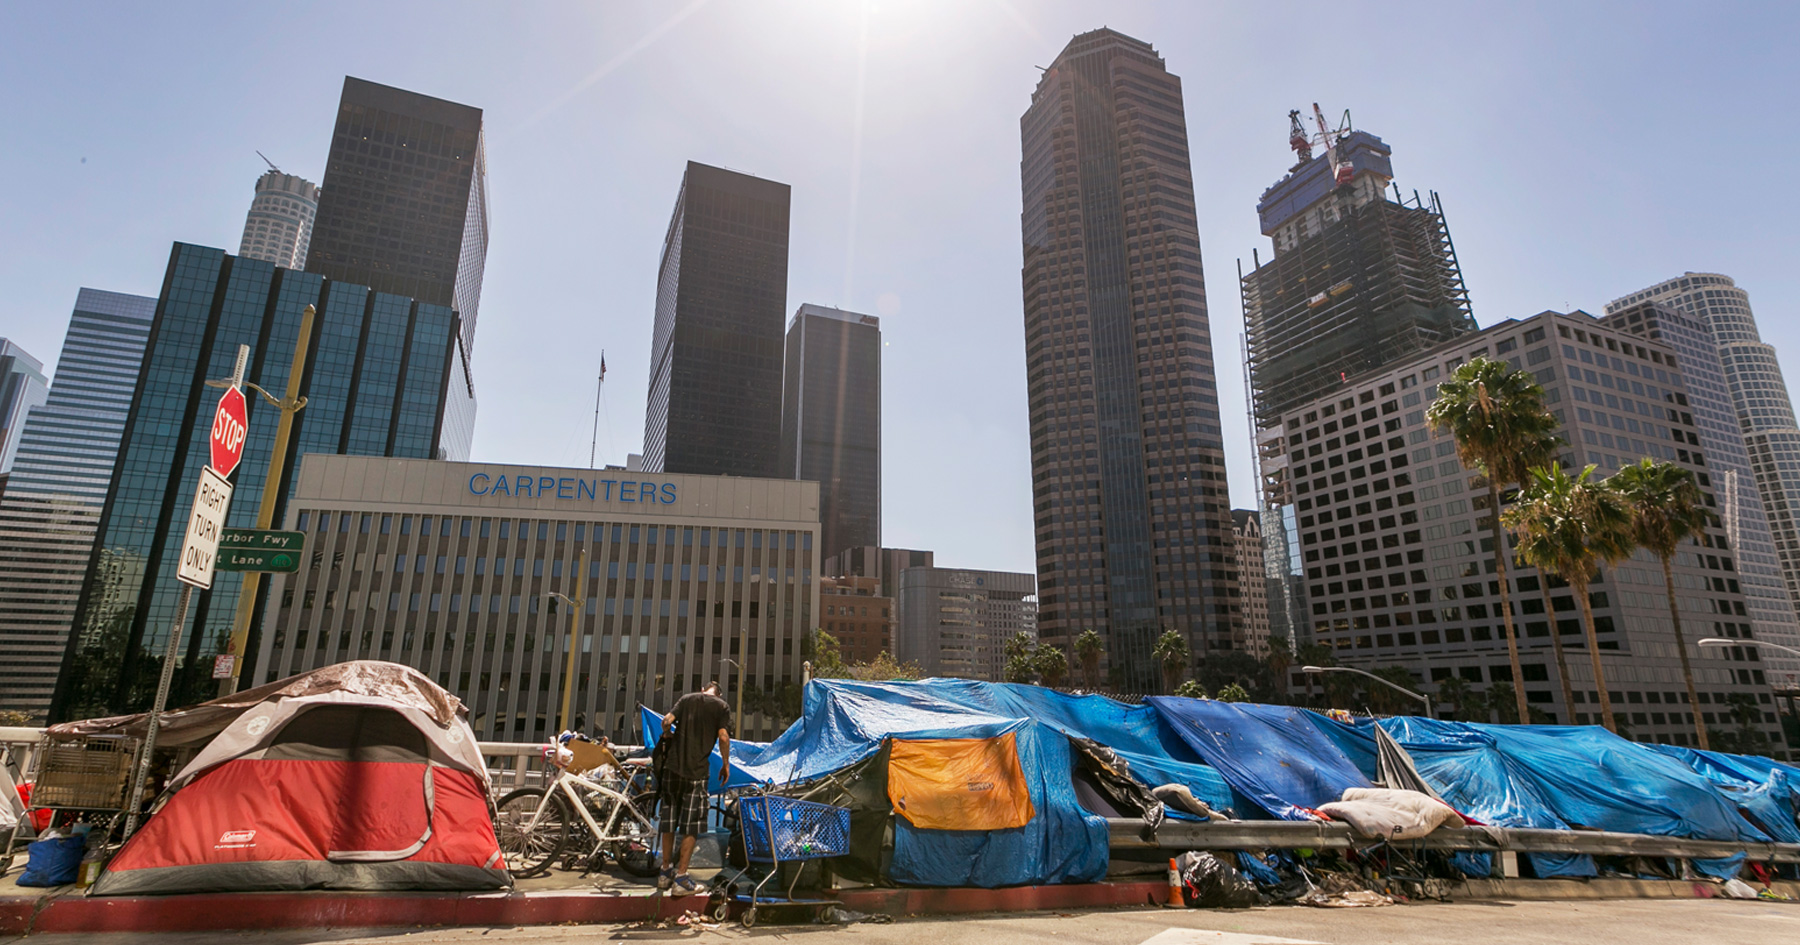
(357, 778)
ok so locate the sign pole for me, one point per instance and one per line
(134, 801)
(271, 494)
(199, 549)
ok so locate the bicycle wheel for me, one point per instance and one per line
(636, 852)
(531, 849)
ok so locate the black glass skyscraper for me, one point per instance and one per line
(1133, 524)
(715, 359)
(378, 371)
(831, 421)
(403, 210)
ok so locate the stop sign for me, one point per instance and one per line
(231, 423)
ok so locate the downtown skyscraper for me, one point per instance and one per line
(1132, 522)
(831, 421)
(1360, 278)
(53, 501)
(714, 406)
(403, 210)
(376, 377)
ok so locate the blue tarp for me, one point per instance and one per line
(1274, 755)
(1763, 790)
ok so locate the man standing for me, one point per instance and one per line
(698, 720)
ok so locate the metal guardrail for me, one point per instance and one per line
(1126, 834)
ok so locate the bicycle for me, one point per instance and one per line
(536, 825)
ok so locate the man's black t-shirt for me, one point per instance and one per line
(698, 718)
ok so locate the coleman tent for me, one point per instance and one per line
(363, 775)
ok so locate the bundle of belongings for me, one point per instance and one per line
(1389, 814)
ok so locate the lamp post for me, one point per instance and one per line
(272, 489)
(1395, 686)
(1759, 644)
(575, 604)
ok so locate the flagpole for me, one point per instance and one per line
(598, 384)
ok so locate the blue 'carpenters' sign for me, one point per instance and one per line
(570, 487)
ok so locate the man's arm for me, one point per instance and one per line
(724, 755)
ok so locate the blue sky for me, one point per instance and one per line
(1582, 151)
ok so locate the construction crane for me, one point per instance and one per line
(1298, 139)
(266, 160)
(1341, 172)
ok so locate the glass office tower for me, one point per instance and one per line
(379, 369)
(403, 210)
(831, 421)
(715, 359)
(59, 479)
(1133, 523)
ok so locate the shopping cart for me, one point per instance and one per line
(778, 830)
(81, 780)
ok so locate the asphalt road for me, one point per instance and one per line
(1627, 922)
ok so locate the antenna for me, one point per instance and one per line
(266, 160)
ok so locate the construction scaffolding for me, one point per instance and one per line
(1377, 283)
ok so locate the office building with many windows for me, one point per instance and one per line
(52, 504)
(450, 567)
(1132, 518)
(279, 227)
(714, 406)
(955, 622)
(403, 210)
(379, 370)
(831, 420)
(1728, 462)
(1759, 399)
(22, 387)
(1253, 582)
(1398, 559)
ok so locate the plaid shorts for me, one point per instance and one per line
(681, 806)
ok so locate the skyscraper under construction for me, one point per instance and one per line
(1128, 477)
(1361, 276)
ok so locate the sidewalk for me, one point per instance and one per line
(609, 898)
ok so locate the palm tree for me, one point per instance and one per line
(1666, 510)
(1051, 665)
(1280, 659)
(1497, 416)
(1543, 453)
(1089, 647)
(1171, 651)
(1315, 654)
(1455, 691)
(1565, 526)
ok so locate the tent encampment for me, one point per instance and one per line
(362, 775)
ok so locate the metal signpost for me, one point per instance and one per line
(199, 556)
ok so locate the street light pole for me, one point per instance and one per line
(1429, 713)
(271, 494)
(575, 604)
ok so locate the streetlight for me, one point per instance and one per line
(1721, 641)
(575, 604)
(1351, 669)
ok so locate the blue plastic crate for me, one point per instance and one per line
(781, 828)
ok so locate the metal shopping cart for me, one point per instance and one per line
(778, 830)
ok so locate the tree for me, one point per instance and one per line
(1497, 417)
(1171, 652)
(14, 717)
(1020, 667)
(1456, 692)
(828, 663)
(1315, 654)
(884, 667)
(1566, 525)
(1666, 510)
(1501, 699)
(1392, 702)
(1191, 690)
(1232, 692)
(1051, 665)
(1280, 660)
(1089, 647)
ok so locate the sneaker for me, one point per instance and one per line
(685, 885)
(666, 878)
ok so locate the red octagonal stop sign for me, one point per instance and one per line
(230, 425)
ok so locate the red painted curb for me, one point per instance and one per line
(219, 912)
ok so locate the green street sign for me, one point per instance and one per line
(261, 539)
(240, 559)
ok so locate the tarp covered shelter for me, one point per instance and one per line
(363, 775)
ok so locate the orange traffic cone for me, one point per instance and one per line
(1175, 900)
